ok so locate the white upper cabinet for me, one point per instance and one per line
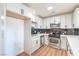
(36, 22)
(62, 25)
(68, 21)
(19, 8)
(39, 22)
(57, 20)
(45, 23)
(48, 21)
(65, 21)
(76, 18)
(15, 7)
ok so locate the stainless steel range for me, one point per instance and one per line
(54, 40)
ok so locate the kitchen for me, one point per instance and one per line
(38, 28)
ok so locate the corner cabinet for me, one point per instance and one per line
(76, 18)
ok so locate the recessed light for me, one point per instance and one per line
(49, 8)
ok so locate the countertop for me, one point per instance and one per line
(74, 43)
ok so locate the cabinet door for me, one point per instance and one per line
(62, 18)
(57, 19)
(63, 43)
(52, 20)
(39, 22)
(68, 21)
(19, 8)
(35, 44)
(48, 21)
(45, 23)
(76, 18)
(14, 7)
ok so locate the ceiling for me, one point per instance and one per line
(58, 8)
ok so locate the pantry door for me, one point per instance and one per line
(14, 36)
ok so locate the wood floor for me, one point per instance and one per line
(47, 51)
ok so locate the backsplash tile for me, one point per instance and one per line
(76, 31)
(68, 31)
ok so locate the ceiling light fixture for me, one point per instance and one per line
(49, 8)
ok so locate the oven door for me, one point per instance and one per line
(55, 42)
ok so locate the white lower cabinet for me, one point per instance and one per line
(35, 44)
(63, 43)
